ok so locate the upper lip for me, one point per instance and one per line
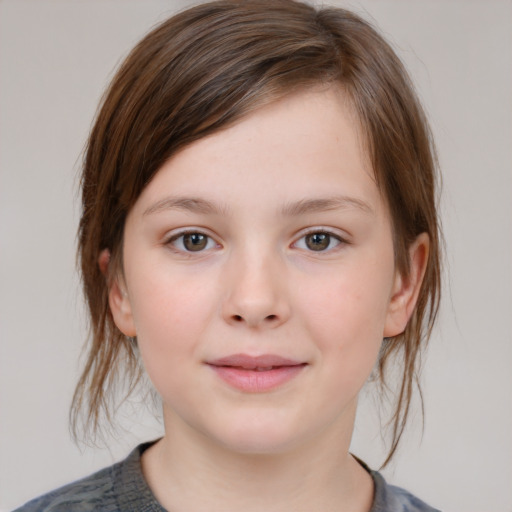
(248, 362)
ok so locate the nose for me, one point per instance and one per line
(256, 294)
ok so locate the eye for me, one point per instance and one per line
(192, 241)
(318, 241)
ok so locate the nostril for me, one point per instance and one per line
(271, 319)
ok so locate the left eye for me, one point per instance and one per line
(192, 242)
(318, 241)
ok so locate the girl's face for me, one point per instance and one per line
(259, 278)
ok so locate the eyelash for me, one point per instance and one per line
(210, 242)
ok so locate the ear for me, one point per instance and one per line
(407, 288)
(118, 298)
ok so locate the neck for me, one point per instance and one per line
(189, 472)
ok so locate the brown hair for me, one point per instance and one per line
(206, 68)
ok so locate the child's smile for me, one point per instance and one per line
(259, 278)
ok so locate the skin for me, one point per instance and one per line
(258, 190)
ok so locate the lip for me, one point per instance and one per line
(256, 374)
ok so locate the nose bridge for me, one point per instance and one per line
(256, 294)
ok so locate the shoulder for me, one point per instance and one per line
(389, 498)
(87, 494)
(117, 487)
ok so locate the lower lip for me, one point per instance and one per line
(252, 381)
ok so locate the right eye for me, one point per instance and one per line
(192, 241)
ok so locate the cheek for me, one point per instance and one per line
(345, 314)
(170, 313)
(352, 305)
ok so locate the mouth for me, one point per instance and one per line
(256, 374)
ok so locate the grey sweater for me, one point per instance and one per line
(122, 487)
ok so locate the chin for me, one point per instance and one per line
(260, 437)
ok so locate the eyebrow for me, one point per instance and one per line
(189, 204)
(326, 204)
(301, 207)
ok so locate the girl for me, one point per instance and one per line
(259, 231)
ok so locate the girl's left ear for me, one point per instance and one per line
(118, 298)
(407, 288)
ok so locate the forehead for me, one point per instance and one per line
(308, 143)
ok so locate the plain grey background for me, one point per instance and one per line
(56, 58)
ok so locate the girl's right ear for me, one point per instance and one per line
(103, 262)
(118, 299)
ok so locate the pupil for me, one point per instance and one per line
(318, 241)
(195, 241)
